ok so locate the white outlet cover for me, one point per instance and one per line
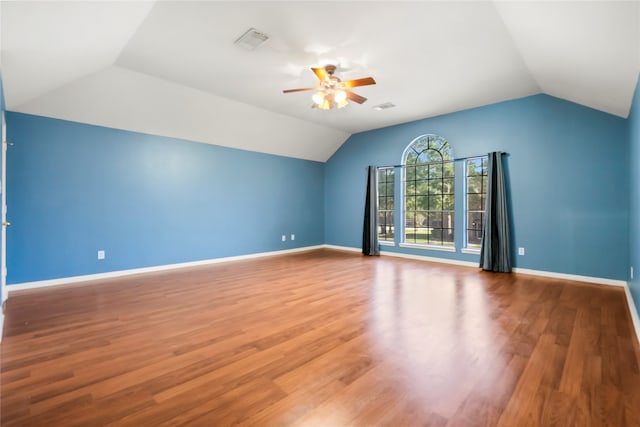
(520, 251)
(101, 254)
(293, 237)
(284, 238)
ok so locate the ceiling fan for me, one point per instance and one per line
(331, 91)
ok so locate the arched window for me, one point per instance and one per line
(428, 196)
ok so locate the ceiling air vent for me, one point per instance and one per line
(384, 106)
(251, 39)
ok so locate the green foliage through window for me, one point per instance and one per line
(476, 194)
(386, 193)
(429, 192)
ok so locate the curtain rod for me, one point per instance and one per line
(457, 159)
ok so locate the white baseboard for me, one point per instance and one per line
(574, 277)
(550, 274)
(120, 273)
(112, 274)
(430, 259)
(342, 248)
(635, 318)
(409, 256)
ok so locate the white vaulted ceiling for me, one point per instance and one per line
(171, 68)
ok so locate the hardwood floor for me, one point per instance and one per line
(322, 338)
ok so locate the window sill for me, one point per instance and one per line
(428, 247)
(385, 243)
(470, 251)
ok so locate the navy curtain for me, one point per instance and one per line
(370, 228)
(495, 250)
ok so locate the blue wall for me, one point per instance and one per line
(634, 194)
(149, 200)
(568, 173)
(146, 200)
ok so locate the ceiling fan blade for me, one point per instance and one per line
(358, 82)
(355, 97)
(321, 73)
(298, 90)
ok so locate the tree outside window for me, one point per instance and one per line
(386, 178)
(428, 197)
(476, 175)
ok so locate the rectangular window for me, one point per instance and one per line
(429, 204)
(386, 231)
(476, 194)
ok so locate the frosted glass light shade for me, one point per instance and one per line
(318, 98)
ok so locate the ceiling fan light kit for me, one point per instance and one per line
(331, 91)
(318, 97)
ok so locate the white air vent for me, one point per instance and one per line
(384, 106)
(251, 39)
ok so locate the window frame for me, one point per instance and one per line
(392, 211)
(483, 196)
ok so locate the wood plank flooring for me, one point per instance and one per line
(321, 338)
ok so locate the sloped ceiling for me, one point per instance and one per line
(171, 68)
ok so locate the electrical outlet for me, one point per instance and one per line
(293, 236)
(631, 273)
(284, 238)
(521, 251)
(101, 254)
